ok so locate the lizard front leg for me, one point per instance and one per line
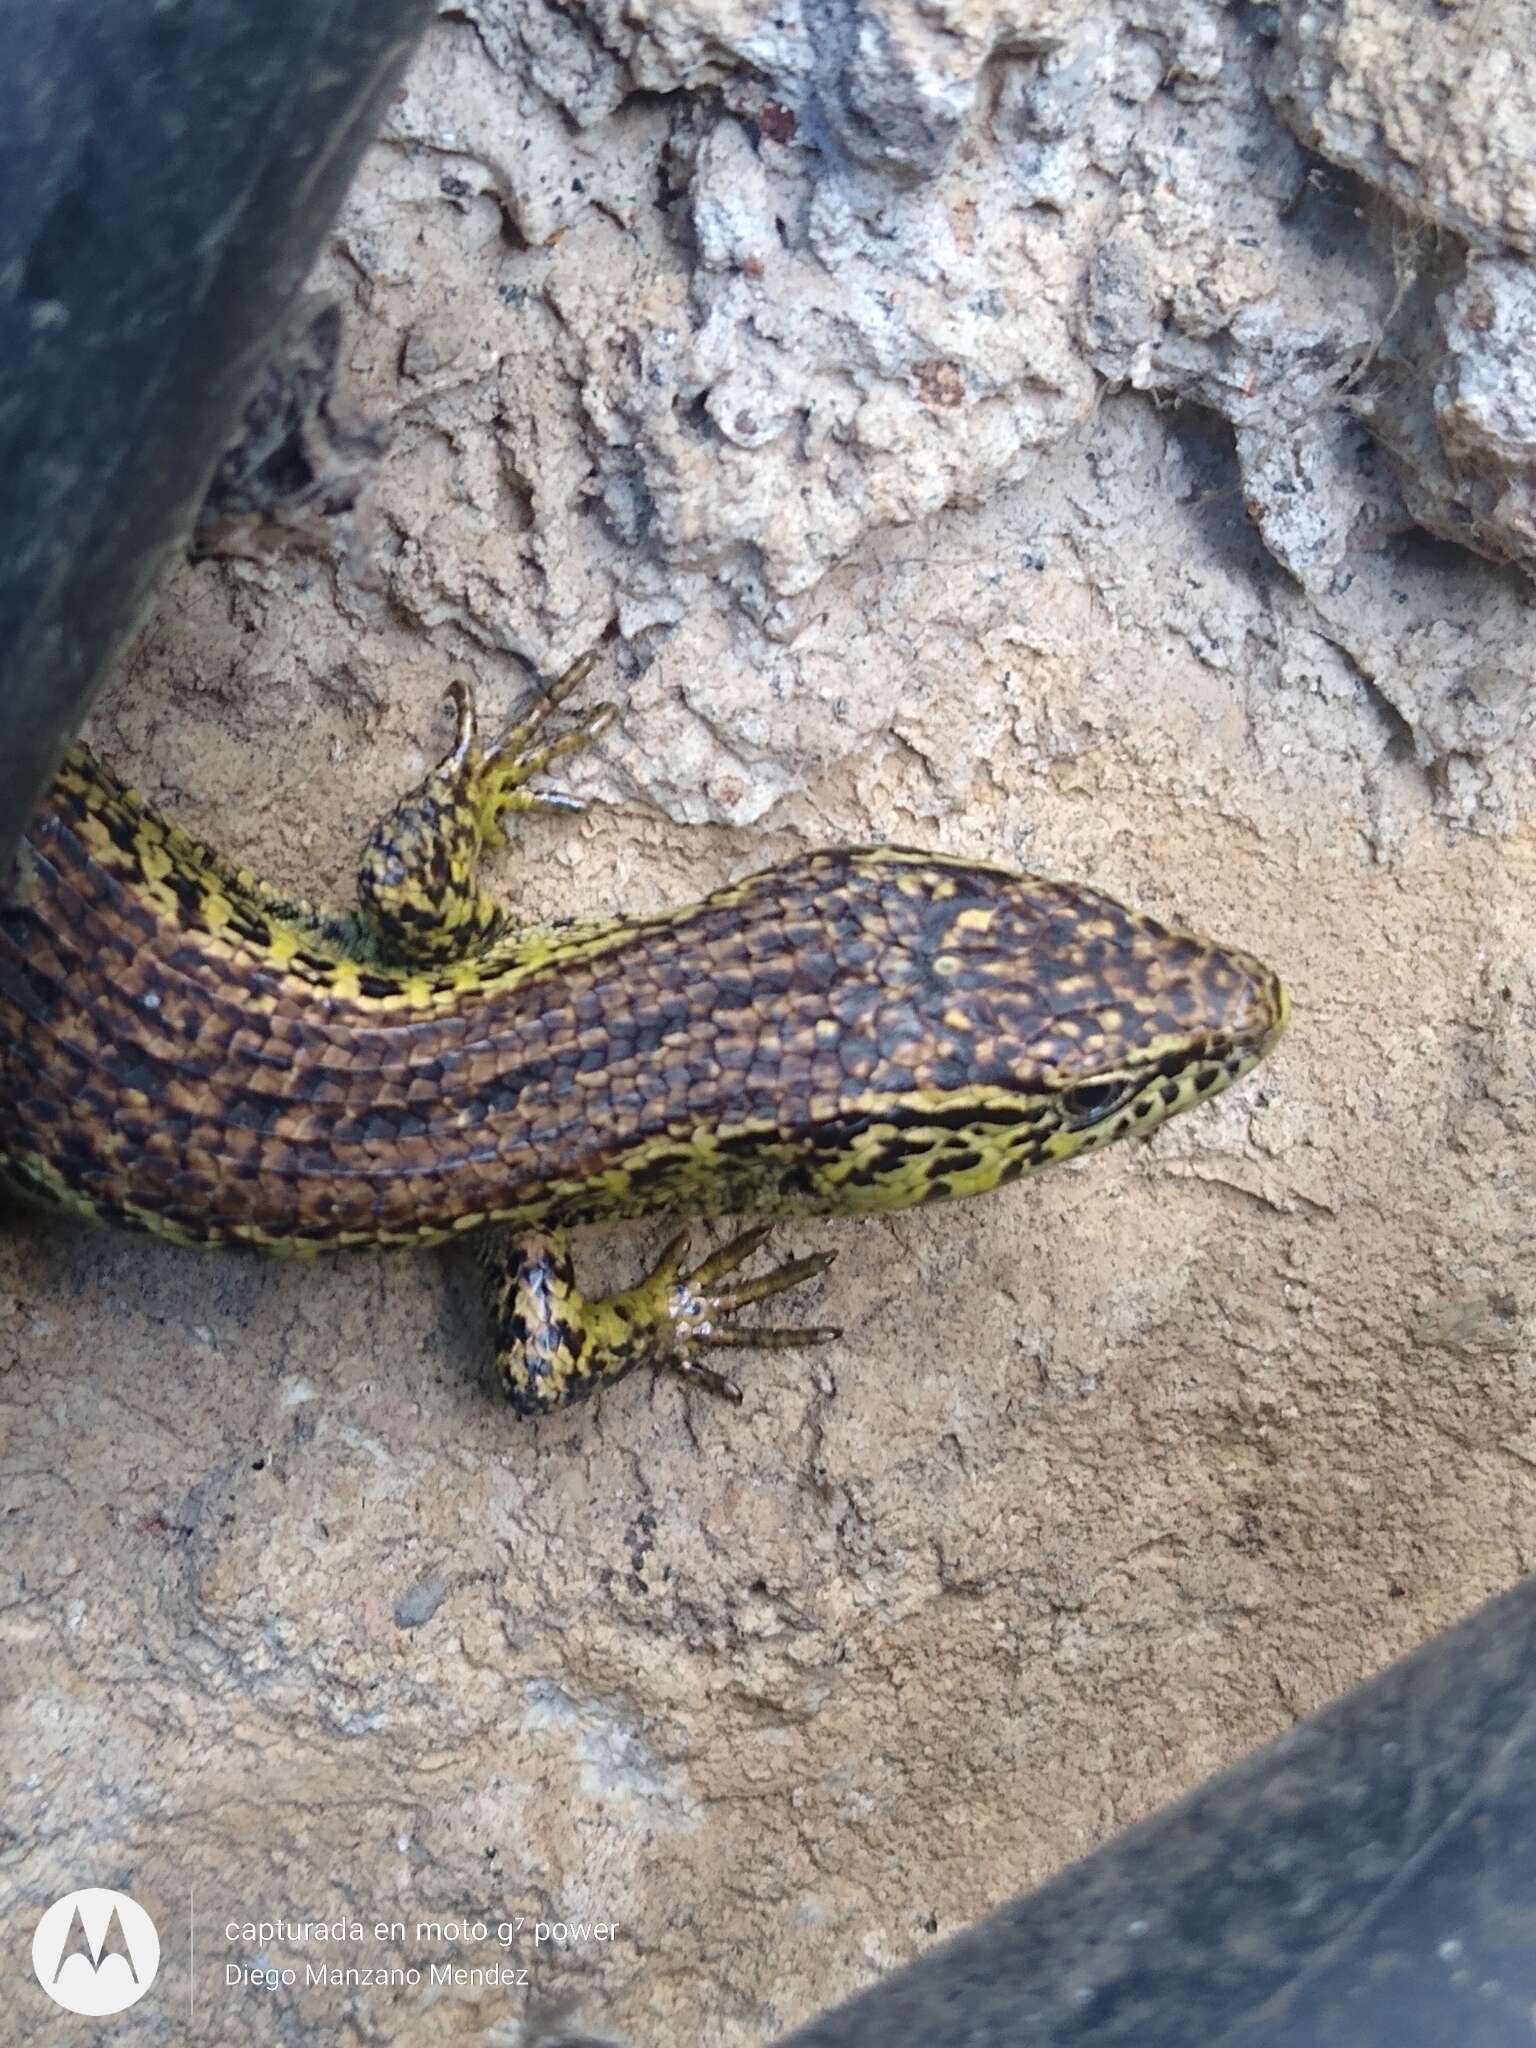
(421, 900)
(554, 1346)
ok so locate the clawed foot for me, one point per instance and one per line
(689, 1303)
(554, 1346)
(417, 884)
(494, 777)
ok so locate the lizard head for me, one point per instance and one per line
(1024, 1022)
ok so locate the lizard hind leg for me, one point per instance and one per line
(553, 1346)
(421, 901)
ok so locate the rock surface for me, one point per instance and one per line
(1095, 437)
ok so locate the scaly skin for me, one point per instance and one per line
(185, 1051)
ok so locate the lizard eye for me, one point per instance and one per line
(1091, 1101)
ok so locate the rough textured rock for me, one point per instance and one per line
(1453, 404)
(1014, 430)
(1433, 104)
(304, 459)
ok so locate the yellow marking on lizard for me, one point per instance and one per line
(189, 1052)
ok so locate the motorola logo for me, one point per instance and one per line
(95, 1952)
